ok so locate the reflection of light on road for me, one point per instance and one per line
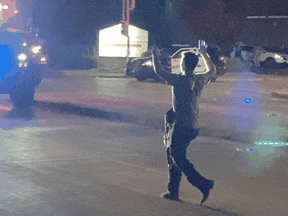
(15, 191)
(104, 87)
(260, 159)
(20, 148)
(23, 142)
(247, 149)
(269, 130)
(245, 99)
(244, 108)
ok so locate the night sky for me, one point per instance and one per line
(267, 7)
(75, 21)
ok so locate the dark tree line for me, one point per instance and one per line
(217, 21)
(78, 21)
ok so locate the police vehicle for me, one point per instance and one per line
(21, 58)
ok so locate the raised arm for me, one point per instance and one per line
(159, 70)
(211, 71)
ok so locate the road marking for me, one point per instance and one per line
(271, 143)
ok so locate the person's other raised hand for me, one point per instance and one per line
(155, 51)
(202, 46)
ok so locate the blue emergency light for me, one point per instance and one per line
(247, 100)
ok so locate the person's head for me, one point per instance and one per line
(188, 63)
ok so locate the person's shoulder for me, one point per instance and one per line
(177, 79)
(182, 77)
(200, 78)
(179, 76)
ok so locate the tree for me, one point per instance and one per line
(234, 6)
(213, 20)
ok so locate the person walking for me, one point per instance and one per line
(182, 120)
(256, 56)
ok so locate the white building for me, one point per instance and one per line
(113, 44)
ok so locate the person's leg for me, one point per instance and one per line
(179, 158)
(194, 177)
(174, 174)
(174, 178)
(178, 153)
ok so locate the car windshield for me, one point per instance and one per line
(247, 48)
(273, 49)
(178, 53)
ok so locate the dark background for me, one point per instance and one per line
(75, 22)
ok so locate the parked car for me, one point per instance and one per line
(217, 57)
(261, 57)
(142, 69)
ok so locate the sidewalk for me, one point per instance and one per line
(282, 94)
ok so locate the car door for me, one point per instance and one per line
(247, 53)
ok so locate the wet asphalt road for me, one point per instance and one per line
(94, 148)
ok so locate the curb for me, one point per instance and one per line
(282, 94)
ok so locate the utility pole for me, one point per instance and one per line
(127, 6)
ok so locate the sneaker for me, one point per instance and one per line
(170, 196)
(206, 190)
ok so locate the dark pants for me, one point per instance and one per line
(176, 159)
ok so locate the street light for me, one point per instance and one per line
(127, 6)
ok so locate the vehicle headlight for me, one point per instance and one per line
(22, 57)
(43, 59)
(147, 64)
(278, 56)
(36, 49)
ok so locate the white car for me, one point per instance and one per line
(219, 62)
(261, 57)
(176, 58)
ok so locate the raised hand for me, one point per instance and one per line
(155, 51)
(202, 46)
